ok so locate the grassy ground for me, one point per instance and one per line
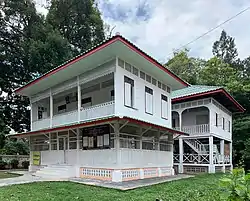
(200, 188)
(4, 175)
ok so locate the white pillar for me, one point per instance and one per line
(117, 144)
(231, 154)
(180, 120)
(77, 145)
(57, 140)
(181, 155)
(50, 141)
(211, 155)
(51, 108)
(31, 114)
(140, 138)
(222, 153)
(79, 99)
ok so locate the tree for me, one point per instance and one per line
(78, 21)
(225, 49)
(218, 73)
(28, 48)
(185, 67)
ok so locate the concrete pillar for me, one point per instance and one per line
(117, 144)
(180, 120)
(211, 168)
(231, 155)
(79, 98)
(77, 145)
(222, 153)
(51, 108)
(181, 155)
(31, 115)
(50, 141)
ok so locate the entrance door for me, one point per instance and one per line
(63, 146)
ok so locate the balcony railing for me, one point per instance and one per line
(97, 111)
(93, 112)
(202, 158)
(195, 129)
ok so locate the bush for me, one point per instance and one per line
(2, 165)
(25, 164)
(236, 186)
(14, 163)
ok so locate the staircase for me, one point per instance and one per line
(197, 146)
(56, 172)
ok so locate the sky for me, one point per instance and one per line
(161, 26)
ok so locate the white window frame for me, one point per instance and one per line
(128, 92)
(164, 106)
(149, 100)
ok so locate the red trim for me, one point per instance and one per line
(105, 44)
(98, 122)
(69, 127)
(241, 109)
(153, 125)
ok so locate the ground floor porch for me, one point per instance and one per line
(207, 153)
(113, 150)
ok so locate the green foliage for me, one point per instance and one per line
(14, 163)
(225, 48)
(78, 21)
(236, 187)
(2, 164)
(25, 164)
(187, 68)
(14, 147)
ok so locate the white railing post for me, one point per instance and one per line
(79, 95)
(181, 155)
(211, 155)
(51, 107)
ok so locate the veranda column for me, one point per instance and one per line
(117, 174)
(222, 153)
(231, 155)
(211, 168)
(79, 95)
(180, 155)
(77, 152)
(51, 108)
(31, 115)
(180, 120)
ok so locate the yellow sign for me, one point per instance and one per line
(36, 156)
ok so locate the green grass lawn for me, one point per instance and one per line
(4, 175)
(200, 188)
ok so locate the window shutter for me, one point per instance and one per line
(219, 120)
(127, 94)
(164, 106)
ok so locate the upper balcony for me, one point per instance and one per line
(194, 121)
(64, 108)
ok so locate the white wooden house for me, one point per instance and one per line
(105, 114)
(205, 112)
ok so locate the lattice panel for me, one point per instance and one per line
(166, 171)
(102, 174)
(218, 169)
(130, 174)
(195, 170)
(150, 172)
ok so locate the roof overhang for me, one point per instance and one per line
(115, 46)
(96, 122)
(221, 95)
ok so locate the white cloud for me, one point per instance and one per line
(170, 24)
(174, 23)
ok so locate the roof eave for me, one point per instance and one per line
(97, 48)
(220, 90)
